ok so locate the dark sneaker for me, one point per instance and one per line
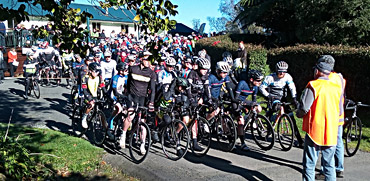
(340, 174)
(155, 136)
(196, 147)
(179, 152)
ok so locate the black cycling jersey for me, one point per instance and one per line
(199, 85)
(139, 80)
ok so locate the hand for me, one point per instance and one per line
(151, 107)
(296, 103)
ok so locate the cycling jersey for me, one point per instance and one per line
(215, 85)
(276, 86)
(139, 80)
(244, 90)
(199, 85)
(90, 87)
(165, 77)
(118, 83)
(108, 69)
(185, 72)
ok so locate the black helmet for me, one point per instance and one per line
(94, 66)
(120, 66)
(182, 82)
(255, 75)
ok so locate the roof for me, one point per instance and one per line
(119, 15)
(182, 29)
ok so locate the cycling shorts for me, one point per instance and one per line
(134, 100)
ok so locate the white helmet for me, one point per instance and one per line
(170, 61)
(229, 60)
(223, 66)
(202, 53)
(203, 63)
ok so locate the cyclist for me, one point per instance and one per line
(274, 88)
(199, 90)
(119, 82)
(140, 79)
(216, 82)
(47, 59)
(67, 60)
(243, 90)
(108, 68)
(91, 84)
(187, 66)
(31, 67)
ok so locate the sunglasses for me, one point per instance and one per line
(280, 72)
(258, 80)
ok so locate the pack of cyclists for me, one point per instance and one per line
(121, 72)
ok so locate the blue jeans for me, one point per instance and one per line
(339, 151)
(310, 157)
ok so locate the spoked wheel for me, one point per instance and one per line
(353, 134)
(78, 130)
(285, 132)
(203, 136)
(175, 145)
(74, 96)
(262, 132)
(226, 134)
(36, 89)
(140, 140)
(99, 127)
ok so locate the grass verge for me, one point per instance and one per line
(64, 156)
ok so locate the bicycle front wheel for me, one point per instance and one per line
(262, 132)
(203, 136)
(36, 89)
(175, 145)
(285, 132)
(353, 134)
(139, 142)
(99, 127)
(226, 137)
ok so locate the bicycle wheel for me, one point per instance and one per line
(262, 132)
(136, 140)
(99, 127)
(353, 134)
(74, 96)
(226, 136)
(285, 132)
(36, 89)
(78, 130)
(203, 136)
(175, 145)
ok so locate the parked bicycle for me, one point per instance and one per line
(352, 128)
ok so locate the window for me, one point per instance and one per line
(125, 28)
(96, 26)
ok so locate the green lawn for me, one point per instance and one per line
(63, 155)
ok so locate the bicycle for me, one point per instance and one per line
(352, 128)
(224, 128)
(170, 140)
(33, 85)
(282, 125)
(261, 129)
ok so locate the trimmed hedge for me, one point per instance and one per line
(352, 62)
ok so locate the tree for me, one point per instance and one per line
(217, 24)
(196, 24)
(229, 9)
(153, 14)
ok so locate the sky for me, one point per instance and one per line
(189, 10)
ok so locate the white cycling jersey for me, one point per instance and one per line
(275, 86)
(108, 69)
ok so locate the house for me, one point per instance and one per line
(108, 19)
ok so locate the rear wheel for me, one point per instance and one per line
(203, 136)
(285, 132)
(36, 89)
(137, 153)
(226, 137)
(175, 145)
(99, 128)
(78, 130)
(353, 134)
(262, 132)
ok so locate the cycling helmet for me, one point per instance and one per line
(77, 56)
(255, 75)
(120, 66)
(229, 60)
(107, 54)
(170, 61)
(203, 63)
(281, 66)
(202, 53)
(223, 66)
(188, 59)
(183, 82)
(94, 66)
(226, 54)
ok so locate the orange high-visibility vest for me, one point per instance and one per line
(338, 79)
(321, 121)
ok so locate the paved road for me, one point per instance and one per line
(51, 111)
